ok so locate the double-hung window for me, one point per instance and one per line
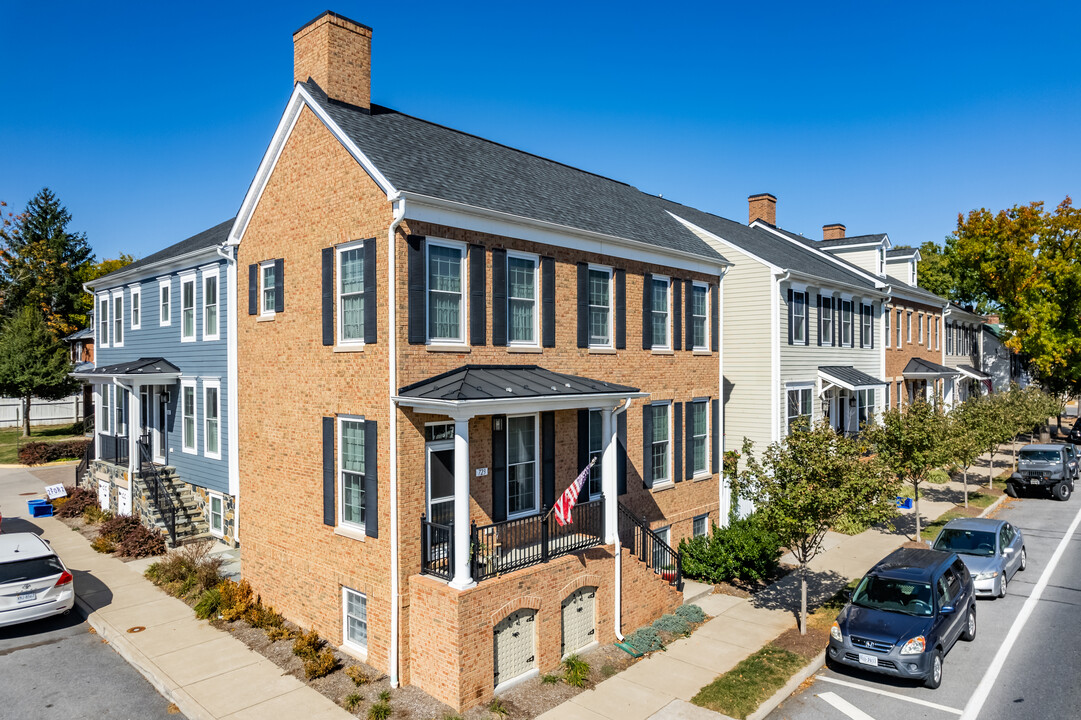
(187, 415)
(886, 319)
(216, 516)
(699, 432)
(351, 472)
(212, 418)
(522, 299)
(919, 329)
(660, 451)
(938, 324)
(866, 318)
(865, 407)
(187, 308)
(661, 559)
(908, 326)
(699, 315)
(799, 318)
(446, 293)
(600, 307)
(659, 312)
(827, 320)
(846, 323)
(120, 421)
(118, 319)
(355, 619)
(164, 302)
(900, 336)
(136, 307)
(210, 305)
(521, 465)
(596, 447)
(701, 526)
(268, 286)
(799, 406)
(103, 321)
(106, 409)
(351, 294)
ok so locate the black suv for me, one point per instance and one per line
(1046, 467)
(1075, 433)
(905, 615)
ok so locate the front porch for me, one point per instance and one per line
(849, 397)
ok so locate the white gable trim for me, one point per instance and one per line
(696, 229)
(300, 99)
(821, 253)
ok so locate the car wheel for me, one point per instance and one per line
(1002, 586)
(1024, 559)
(1011, 490)
(934, 675)
(831, 664)
(1061, 491)
(969, 633)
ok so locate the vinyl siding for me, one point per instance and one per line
(865, 258)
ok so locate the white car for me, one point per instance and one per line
(34, 583)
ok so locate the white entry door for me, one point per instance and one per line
(515, 651)
(578, 620)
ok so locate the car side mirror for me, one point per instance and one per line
(846, 594)
(930, 543)
(947, 609)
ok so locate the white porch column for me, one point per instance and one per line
(134, 417)
(609, 485)
(463, 577)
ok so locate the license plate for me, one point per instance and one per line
(868, 660)
(27, 597)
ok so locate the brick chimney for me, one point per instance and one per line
(762, 206)
(336, 53)
(833, 231)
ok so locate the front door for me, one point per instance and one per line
(157, 425)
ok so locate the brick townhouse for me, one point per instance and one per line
(441, 332)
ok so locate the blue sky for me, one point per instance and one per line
(149, 119)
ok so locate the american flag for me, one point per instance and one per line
(566, 501)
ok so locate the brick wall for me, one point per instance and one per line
(645, 596)
(899, 354)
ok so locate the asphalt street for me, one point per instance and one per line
(1037, 678)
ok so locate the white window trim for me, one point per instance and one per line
(908, 326)
(340, 320)
(696, 518)
(599, 467)
(919, 328)
(194, 449)
(798, 386)
(205, 275)
(851, 323)
(207, 385)
(184, 280)
(211, 496)
(117, 294)
(705, 471)
(803, 321)
(104, 410)
(888, 327)
(136, 291)
(705, 335)
(827, 339)
(165, 284)
(535, 259)
(263, 310)
(668, 312)
(670, 481)
(461, 247)
(361, 650)
(867, 323)
(611, 307)
(536, 466)
(103, 320)
(900, 330)
(355, 530)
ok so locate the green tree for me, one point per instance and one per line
(33, 363)
(42, 262)
(809, 482)
(967, 436)
(91, 272)
(912, 442)
(942, 273)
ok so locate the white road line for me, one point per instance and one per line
(979, 697)
(846, 707)
(887, 693)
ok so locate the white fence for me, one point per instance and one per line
(42, 412)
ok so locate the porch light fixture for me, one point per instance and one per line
(497, 423)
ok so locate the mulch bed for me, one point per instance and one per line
(744, 590)
(810, 645)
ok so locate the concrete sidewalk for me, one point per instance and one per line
(662, 685)
(205, 671)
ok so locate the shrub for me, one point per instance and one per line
(78, 500)
(208, 604)
(357, 675)
(38, 453)
(575, 671)
(280, 633)
(384, 695)
(117, 528)
(352, 701)
(938, 476)
(847, 526)
(142, 542)
(34, 453)
(236, 599)
(263, 616)
(187, 570)
(320, 664)
(645, 640)
(308, 644)
(550, 679)
(379, 711)
(691, 613)
(671, 624)
(743, 551)
(103, 544)
(498, 708)
(93, 514)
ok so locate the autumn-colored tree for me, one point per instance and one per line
(42, 262)
(93, 271)
(942, 273)
(33, 362)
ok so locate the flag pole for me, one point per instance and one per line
(592, 462)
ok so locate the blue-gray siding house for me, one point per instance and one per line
(165, 440)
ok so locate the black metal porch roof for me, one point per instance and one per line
(148, 367)
(488, 382)
(850, 376)
(918, 366)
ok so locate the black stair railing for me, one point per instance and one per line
(636, 535)
(84, 464)
(158, 491)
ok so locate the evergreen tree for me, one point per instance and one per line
(33, 363)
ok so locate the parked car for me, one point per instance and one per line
(992, 550)
(34, 583)
(1072, 460)
(1075, 432)
(905, 615)
(1045, 467)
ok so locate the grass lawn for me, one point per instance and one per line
(12, 438)
(740, 691)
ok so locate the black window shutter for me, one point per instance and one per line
(328, 296)
(806, 321)
(677, 315)
(499, 297)
(253, 289)
(583, 305)
(621, 309)
(818, 302)
(279, 285)
(861, 324)
(789, 316)
(871, 310)
(689, 415)
(499, 468)
(548, 302)
(583, 439)
(371, 284)
(715, 318)
(417, 331)
(677, 456)
(371, 479)
(688, 302)
(715, 434)
(329, 510)
(621, 454)
(548, 458)
(477, 293)
(647, 311)
(647, 445)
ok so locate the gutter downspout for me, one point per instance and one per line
(232, 391)
(392, 426)
(618, 595)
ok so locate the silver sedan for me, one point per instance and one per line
(992, 550)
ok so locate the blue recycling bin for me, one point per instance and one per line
(39, 508)
(903, 503)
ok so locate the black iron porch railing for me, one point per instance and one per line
(636, 535)
(514, 544)
(436, 549)
(114, 449)
(84, 464)
(159, 493)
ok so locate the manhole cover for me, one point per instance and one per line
(136, 629)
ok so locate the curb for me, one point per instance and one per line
(794, 682)
(993, 506)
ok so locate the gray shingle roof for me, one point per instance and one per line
(900, 252)
(206, 239)
(973, 372)
(80, 334)
(850, 240)
(486, 382)
(915, 290)
(850, 376)
(918, 366)
(428, 159)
